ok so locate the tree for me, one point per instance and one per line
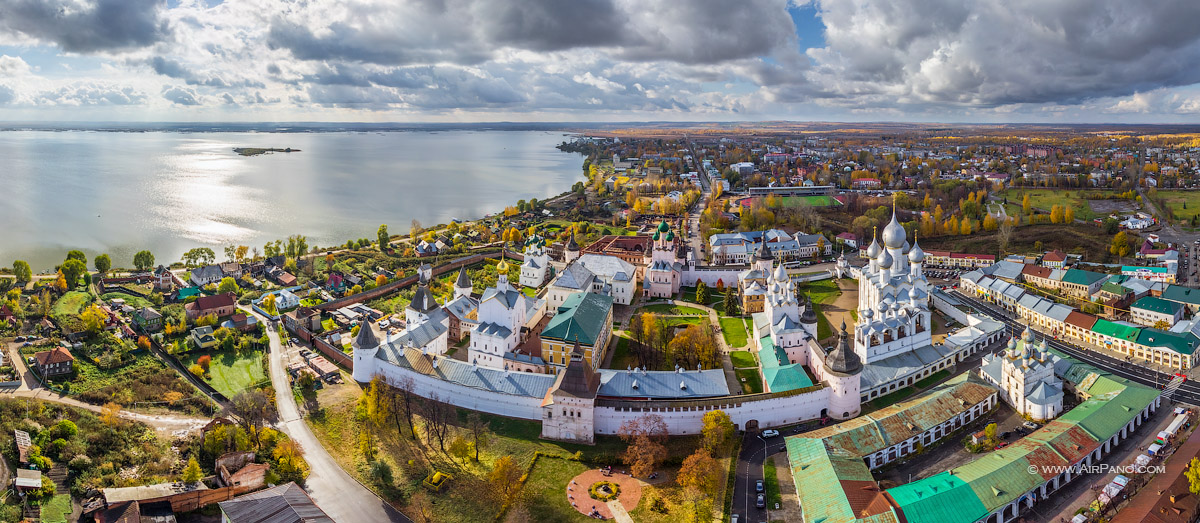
(701, 292)
(143, 260)
(1120, 245)
(479, 430)
(77, 255)
(291, 464)
(384, 237)
(22, 271)
(437, 421)
(990, 433)
(252, 410)
(699, 471)
(191, 473)
(110, 413)
(1004, 235)
(72, 269)
(717, 429)
(460, 448)
(644, 437)
(102, 263)
(730, 305)
(401, 393)
(205, 362)
(989, 223)
(93, 320)
(1026, 206)
(505, 479)
(820, 247)
(1162, 325)
(1056, 214)
(1193, 475)
(227, 285)
(380, 280)
(1068, 215)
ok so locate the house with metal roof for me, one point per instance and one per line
(584, 318)
(287, 503)
(1150, 310)
(1187, 296)
(1082, 284)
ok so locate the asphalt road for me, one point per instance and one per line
(1189, 392)
(750, 470)
(338, 494)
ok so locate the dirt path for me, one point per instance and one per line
(839, 309)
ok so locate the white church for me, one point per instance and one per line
(1024, 373)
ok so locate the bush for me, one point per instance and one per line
(381, 473)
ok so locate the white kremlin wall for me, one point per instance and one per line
(769, 411)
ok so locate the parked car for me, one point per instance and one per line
(19, 339)
(770, 433)
(1000, 446)
(758, 486)
(733, 518)
(1030, 425)
(760, 502)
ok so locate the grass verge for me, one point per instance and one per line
(734, 331)
(741, 358)
(753, 380)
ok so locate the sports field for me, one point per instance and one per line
(815, 201)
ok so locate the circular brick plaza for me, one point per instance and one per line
(578, 497)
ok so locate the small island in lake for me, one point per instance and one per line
(255, 151)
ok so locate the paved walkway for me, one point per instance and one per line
(627, 499)
(336, 492)
(1146, 498)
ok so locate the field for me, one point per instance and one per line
(136, 302)
(815, 201)
(1183, 204)
(1077, 238)
(231, 373)
(145, 382)
(753, 383)
(546, 490)
(821, 292)
(73, 302)
(1044, 199)
(742, 358)
(734, 331)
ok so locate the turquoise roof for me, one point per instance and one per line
(1158, 305)
(1180, 342)
(779, 374)
(1082, 277)
(1182, 294)
(583, 316)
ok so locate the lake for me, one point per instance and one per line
(121, 192)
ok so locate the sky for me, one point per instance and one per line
(1087, 61)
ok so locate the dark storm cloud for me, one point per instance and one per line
(552, 25)
(86, 25)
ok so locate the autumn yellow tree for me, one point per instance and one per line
(965, 228)
(1068, 215)
(110, 413)
(644, 436)
(989, 223)
(1026, 206)
(505, 479)
(699, 471)
(1056, 214)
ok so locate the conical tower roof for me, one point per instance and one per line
(463, 280)
(842, 359)
(763, 252)
(367, 338)
(571, 245)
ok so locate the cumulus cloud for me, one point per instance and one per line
(90, 94)
(180, 95)
(982, 53)
(11, 66)
(86, 25)
(6, 94)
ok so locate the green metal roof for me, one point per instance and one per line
(1082, 277)
(1115, 330)
(1180, 342)
(943, 498)
(1182, 294)
(1158, 305)
(779, 374)
(819, 475)
(581, 317)
(1114, 288)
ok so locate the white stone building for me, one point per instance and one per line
(537, 261)
(595, 273)
(664, 275)
(503, 312)
(1024, 373)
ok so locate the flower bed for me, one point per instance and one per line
(604, 490)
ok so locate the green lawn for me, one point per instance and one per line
(231, 373)
(57, 508)
(1184, 204)
(741, 358)
(529, 291)
(824, 330)
(734, 331)
(753, 383)
(136, 302)
(73, 302)
(815, 201)
(546, 490)
(328, 324)
(932, 378)
(622, 355)
(821, 291)
(681, 320)
(670, 309)
(771, 480)
(891, 399)
(714, 297)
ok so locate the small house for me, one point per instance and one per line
(147, 319)
(203, 337)
(55, 362)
